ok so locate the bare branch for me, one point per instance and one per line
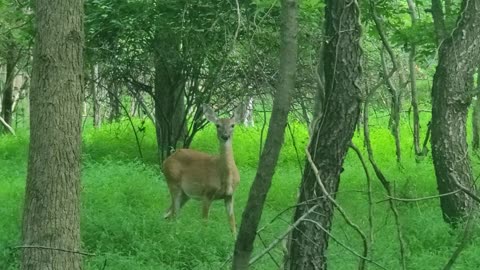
(419, 199)
(466, 190)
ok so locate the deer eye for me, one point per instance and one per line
(217, 125)
(233, 125)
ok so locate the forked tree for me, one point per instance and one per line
(331, 136)
(51, 222)
(197, 175)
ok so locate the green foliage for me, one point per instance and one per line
(124, 198)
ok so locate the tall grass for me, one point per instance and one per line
(124, 197)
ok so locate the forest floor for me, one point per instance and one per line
(124, 198)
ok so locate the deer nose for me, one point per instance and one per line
(225, 137)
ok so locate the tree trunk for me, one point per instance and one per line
(51, 221)
(114, 101)
(247, 112)
(7, 98)
(331, 136)
(275, 136)
(170, 121)
(458, 56)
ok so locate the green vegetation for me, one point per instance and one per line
(124, 198)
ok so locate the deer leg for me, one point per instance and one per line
(206, 207)
(231, 215)
(178, 200)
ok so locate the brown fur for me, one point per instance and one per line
(204, 177)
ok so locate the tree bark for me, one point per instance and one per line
(7, 97)
(331, 136)
(51, 218)
(459, 54)
(275, 136)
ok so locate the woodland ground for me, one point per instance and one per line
(124, 198)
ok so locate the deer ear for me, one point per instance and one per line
(209, 113)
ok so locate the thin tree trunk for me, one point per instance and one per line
(114, 101)
(7, 98)
(395, 92)
(96, 96)
(395, 110)
(275, 136)
(413, 82)
(52, 198)
(247, 112)
(459, 54)
(332, 134)
(439, 21)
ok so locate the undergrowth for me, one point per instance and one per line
(124, 197)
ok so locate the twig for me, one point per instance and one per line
(294, 144)
(229, 259)
(344, 245)
(282, 236)
(385, 183)
(467, 233)
(130, 120)
(339, 208)
(466, 190)
(369, 193)
(419, 199)
(279, 214)
(57, 249)
(269, 254)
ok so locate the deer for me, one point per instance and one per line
(191, 174)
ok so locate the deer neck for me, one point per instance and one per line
(226, 155)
